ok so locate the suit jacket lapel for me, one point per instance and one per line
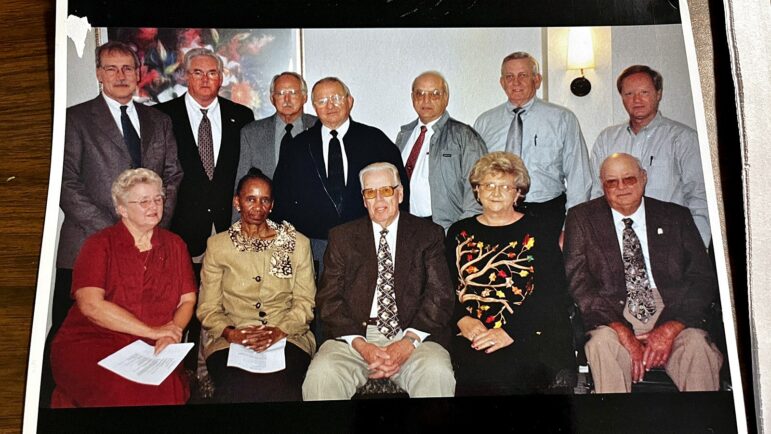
(605, 233)
(317, 154)
(658, 249)
(404, 237)
(146, 127)
(105, 122)
(368, 256)
(230, 138)
(270, 139)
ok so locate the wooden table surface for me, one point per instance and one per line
(26, 86)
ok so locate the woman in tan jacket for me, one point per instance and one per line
(257, 288)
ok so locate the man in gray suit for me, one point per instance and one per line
(104, 137)
(263, 139)
(438, 153)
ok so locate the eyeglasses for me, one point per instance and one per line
(518, 77)
(292, 93)
(433, 95)
(145, 203)
(198, 74)
(111, 70)
(614, 183)
(387, 191)
(336, 100)
(491, 187)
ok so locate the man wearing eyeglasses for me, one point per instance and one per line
(438, 153)
(263, 139)
(638, 270)
(316, 183)
(385, 299)
(102, 138)
(668, 149)
(208, 132)
(546, 136)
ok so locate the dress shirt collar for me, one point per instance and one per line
(653, 123)
(191, 102)
(638, 217)
(341, 130)
(115, 105)
(376, 228)
(510, 107)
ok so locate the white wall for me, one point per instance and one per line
(378, 65)
(81, 76)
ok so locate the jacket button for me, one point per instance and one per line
(364, 323)
(258, 279)
(621, 302)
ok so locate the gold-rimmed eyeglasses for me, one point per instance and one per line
(145, 203)
(387, 191)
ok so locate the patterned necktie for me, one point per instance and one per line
(640, 300)
(335, 176)
(412, 160)
(514, 138)
(387, 315)
(287, 135)
(131, 138)
(206, 145)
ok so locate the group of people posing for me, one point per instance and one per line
(444, 262)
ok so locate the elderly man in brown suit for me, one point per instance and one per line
(641, 276)
(385, 299)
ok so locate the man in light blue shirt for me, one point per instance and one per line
(668, 150)
(546, 136)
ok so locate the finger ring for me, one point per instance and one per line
(492, 342)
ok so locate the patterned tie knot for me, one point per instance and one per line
(288, 127)
(123, 109)
(334, 133)
(628, 222)
(204, 111)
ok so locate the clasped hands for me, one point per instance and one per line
(257, 338)
(648, 350)
(482, 338)
(383, 362)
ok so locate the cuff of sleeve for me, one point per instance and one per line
(349, 339)
(421, 335)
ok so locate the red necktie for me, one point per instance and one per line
(413, 158)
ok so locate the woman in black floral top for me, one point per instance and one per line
(511, 310)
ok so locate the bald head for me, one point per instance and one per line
(623, 181)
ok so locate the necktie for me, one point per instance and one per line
(387, 315)
(335, 177)
(287, 135)
(415, 153)
(206, 145)
(130, 136)
(640, 300)
(514, 138)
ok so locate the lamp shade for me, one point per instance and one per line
(580, 50)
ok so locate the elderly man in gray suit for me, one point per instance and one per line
(102, 138)
(438, 153)
(263, 139)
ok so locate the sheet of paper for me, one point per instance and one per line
(136, 362)
(270, 360)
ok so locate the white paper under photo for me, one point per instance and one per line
(270, 360)
(138, 363)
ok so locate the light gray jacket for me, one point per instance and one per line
(454, 149)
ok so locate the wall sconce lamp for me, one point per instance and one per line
(580, 56)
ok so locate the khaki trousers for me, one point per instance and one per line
(337, 370)
(694, 362)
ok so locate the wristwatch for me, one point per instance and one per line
(414, 341)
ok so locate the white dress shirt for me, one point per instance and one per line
(215, 119)
(326, 137)
(420, 190)
(114, 107)
(638, 218)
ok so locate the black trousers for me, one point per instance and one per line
(237, 385)
(551, 213)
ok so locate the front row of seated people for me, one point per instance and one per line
(386, 294)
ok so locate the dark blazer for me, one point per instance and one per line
(300, 180)
(201, 201)
(683, 272)
(258, 144)
(94, 155)
(424, 293)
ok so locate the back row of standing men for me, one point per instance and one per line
(214, 141)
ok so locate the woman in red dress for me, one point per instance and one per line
(131, 281)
